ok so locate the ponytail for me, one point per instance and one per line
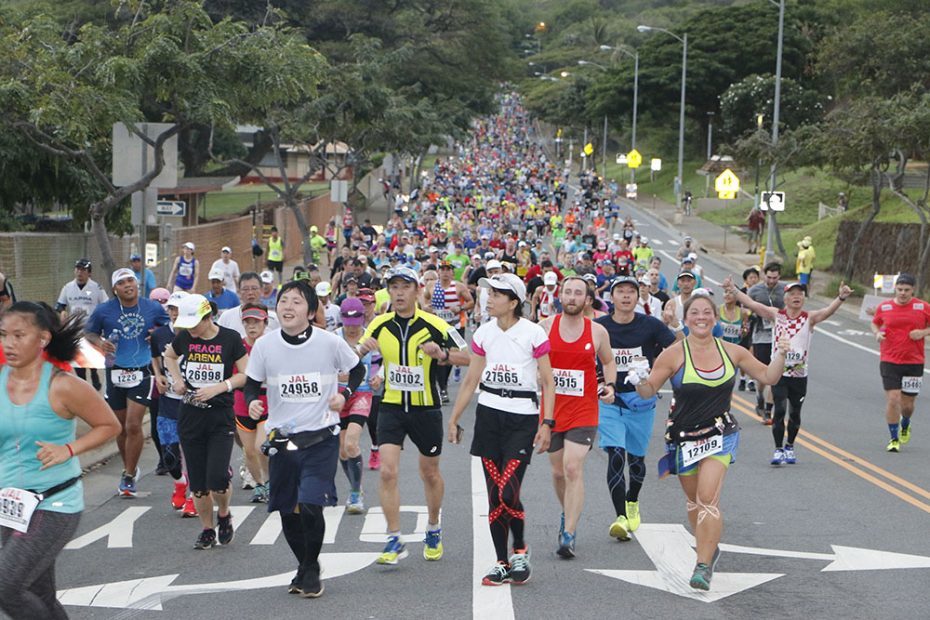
(65, 336)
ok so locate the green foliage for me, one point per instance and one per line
(754, 95)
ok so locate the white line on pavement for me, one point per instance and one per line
(656, 242)
(672, 242)
(487, 601)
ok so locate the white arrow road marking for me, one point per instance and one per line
(672, 242)
(853, 558)
(151, 592)
(487, 601)
(118, 532)
(375, 526)
(669, 547)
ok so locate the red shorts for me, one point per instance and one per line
(359, 404)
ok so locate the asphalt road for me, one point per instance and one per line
(838, 535)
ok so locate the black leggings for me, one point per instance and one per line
(505, 510)
(373, 420)
(304, 532)
(616, 480)
(788, 395)
(27, 565)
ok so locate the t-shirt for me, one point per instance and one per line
(510, 363)
(161, 340)
(133, 325)
(333, 317)
(301, 378)
(207, 362)
(232, 319)
(225, 300)
(230, 272)
(80, 299)
(897, 322)
(762, 332)
(643, 336)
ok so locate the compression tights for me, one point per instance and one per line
(616, 480)
(505, 511)
(304, 531)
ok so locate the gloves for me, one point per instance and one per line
(639, 370)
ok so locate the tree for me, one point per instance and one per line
(755, 94)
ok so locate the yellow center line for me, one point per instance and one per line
(746, 409)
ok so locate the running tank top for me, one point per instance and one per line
(547, 305)
(442, 299)
(731, 328)
(798, 331)
(275, 249)
(185, 277)
(21, 426)
(702, 397)
(575, 373)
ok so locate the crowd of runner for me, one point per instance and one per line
(498, 273)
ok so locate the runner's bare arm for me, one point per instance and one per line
(468, 301)
(466, 391)
(769, 375)
(71, 397)
(605, 354)
(766, 312)
(662, 369)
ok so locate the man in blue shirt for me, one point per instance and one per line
(120, 327)
(144, 275)
(219, 294)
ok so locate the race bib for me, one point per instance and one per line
(304, 388)
(568, 382)
(502, 376)
(445, 315)
(767, 324)
(694, 451)
(624, 357)
(793, 358)
(201, 374)
(406, 378)
(731, 330)
(186, 269)
(911, 385)
(125, 378)
(16, 508)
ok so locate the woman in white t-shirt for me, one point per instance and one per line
(508, 354)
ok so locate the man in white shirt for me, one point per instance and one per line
(229, 267)
(250, 292)
(647, 304)
(330, 310)
(81, 296)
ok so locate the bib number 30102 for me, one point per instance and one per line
(694, 451)
(16, 508)
(406, 378)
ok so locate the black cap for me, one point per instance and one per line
(687, 274)
(906, 278)
(83, 263)
(624, 280)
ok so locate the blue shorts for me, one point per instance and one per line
(306, 476)
(167, 431)
(804, 278)
(622, 428)
(725, 456)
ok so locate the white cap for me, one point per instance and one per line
(226, 249)
(506, 282)
(189, 246)
(191, 311)
(216, 274)
(692, 256)
(644, 240)
(175, 298)
(323, 289)
(550, 279)
(617, 236)
(522, 244)
(121, 274)
(493, 264)
(267, 277)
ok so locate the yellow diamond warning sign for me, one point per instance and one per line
(634, 159)
(588, 148)
(727, 185)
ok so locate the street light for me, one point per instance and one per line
(681, 114)
(593, 64)
(635, 56)
(604, 141)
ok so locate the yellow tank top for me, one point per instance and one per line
(275, 249)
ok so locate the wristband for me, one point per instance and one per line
(446, 358)
(347, 393)
(228, 385)
(70, 449)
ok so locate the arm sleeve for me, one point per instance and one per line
(252, 389)
(356, 375)
(62, 299)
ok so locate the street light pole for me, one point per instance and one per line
(770, 237)
(604, 150)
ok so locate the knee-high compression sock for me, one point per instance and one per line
(314, 529)
(794, 423)
(893, 429)
(637, 475)
(294, 535)
(353, 469)
(616, 482)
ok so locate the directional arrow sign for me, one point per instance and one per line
(171, 207)
(151, 592)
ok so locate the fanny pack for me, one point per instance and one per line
(636, 403)
(677, 434)
(18, 505)
(505, 393)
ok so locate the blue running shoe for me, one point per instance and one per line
(433, 548)
(394, 551)
(566, 546)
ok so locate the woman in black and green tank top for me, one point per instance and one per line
(702, 435)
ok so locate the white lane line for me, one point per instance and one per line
(656, 242)
(672, 242)
(671, 257)
(487, 601)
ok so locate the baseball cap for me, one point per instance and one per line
(493, 264)
(191, 311)
(687, 259)
(505, 282)
(190, 246)
(352, 312)
(644, 239)
(906, 278)
(489, 255)
(646, 280)
(160, 295)
(433, 248)
(121, 274)
(686, 274)
(445, 263)
(133, 257)
(314, 228)
(791, 285)
(624, 280)
(589, 277)
(83, 263)
(350, 279)
(254, 313)
(174, 300)
(403, 273)
(749, 270)
(692, 256)
(267, 277)
(216, 274)
(366, 294)
(323, 289)
(550, 279)
(703, 292)
(226, 249)
(616, 236)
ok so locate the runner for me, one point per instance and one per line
(120, 327)
(300, 364)
(414, 345)
(625, 424)
(275, 260)
(370, 303)
(768, 292)
(228, 267)
(40, 478)
(702, 436)
(81, 296)
(185, 273)
(269, 295)
(545, 302)
(900, 326)
(201, 359)
(331, 311)
(797, 325)
(451, 301)
(576, 344)
(250, 292)
(508, 353)
(222, 297)
(251, 432)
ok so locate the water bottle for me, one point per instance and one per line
(111, 357)
(277, 439)
(457, 374)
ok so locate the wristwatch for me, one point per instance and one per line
(549, 422)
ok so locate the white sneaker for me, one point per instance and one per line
(248, 482)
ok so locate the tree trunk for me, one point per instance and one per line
(876, 207)
(291, 201)
(99, 227)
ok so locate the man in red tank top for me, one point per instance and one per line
(575, 342)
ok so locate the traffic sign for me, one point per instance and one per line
(631, 190)
(151, 254)
(634, 159)
(655, 164)
(621, 159)
(727, 185)
(773, 200)
(176, 208)
(588, 148)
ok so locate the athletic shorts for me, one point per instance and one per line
(168, 407)
(503, 436)
(117, 397)
(305, 476)
(622, 428)
(207, 440)
(167, 430)
(249, 425)
(424, 428)
(349, 419)
(583, 435)
(804, 278)
(275, 265)
(763, 352)
(726, 456)
(358, 405)
(893, 374)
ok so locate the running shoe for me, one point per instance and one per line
(444, 397)
(790, 457)
(620, 529)
(355, 505)
(374, 460)
(206, 540)
(904, 435)
(180, 493)
(779, 457)
(257, 494)
(751, 385)
(893, 446)
(310, 584)
(294, 587)
(127, 484)
(433, 547)
(190, 510)
(520, 566)
(742, 385)
(497, 576)
(700, 580)
(767, 417)
(394, 551)
(566, 546)
(248, 482)
(225, 528)
(632, 515)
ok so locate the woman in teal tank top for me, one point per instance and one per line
(702, 434)
(39, 407)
